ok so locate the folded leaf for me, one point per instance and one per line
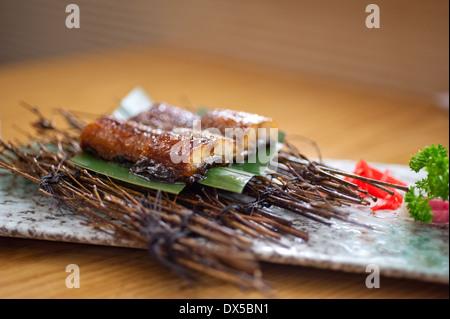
(121, 173)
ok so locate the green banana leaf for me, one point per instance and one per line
(121, 173)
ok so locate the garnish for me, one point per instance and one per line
(434, 159)
(391, 200)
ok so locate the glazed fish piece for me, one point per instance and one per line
(185, 157)
(166, 117)
(252, 129)
(247, 129)
(118, 141)
(223, 148)
(151, 153)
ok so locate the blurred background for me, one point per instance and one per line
(408, 54)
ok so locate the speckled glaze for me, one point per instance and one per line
(395, 243)
(26, 213)
(151, 151)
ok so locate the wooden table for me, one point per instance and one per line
(346, 121)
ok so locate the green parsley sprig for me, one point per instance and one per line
(436, 185)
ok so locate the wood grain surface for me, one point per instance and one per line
(346, 123)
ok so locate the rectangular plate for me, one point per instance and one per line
(399, 246)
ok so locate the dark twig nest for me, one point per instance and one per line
(200, 230)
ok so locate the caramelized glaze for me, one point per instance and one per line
(152, 153)
(166, 117)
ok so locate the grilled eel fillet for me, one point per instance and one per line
(247, 129)
(155, 154)
(166, 117)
